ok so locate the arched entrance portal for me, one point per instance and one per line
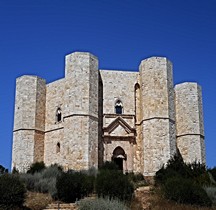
(118, 157)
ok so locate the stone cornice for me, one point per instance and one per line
(81, 115)
(129, 116)
(191, 134)
(28, 129)
(155, 118)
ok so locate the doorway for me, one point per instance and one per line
(119, 163)
(119, 157)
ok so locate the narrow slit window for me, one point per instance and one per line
(118, 107)
(58, 147)
(58, 115)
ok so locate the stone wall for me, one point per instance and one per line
(118, 85)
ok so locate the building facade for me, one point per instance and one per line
(136, 119)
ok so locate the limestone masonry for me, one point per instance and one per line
(136, 119)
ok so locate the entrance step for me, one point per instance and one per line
(62, 206)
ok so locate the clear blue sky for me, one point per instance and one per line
(36, 35)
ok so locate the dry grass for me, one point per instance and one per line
(154, 201)
(37, 201)
(143, 200)
(168, 205)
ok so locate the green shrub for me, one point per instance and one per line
(211, 192)
(109, 165)
(12, 191)
(90, 172)
(165, 173)
(36, 167)
(137, 179)
(15, 170)
(73, 186)
(51, 171)
(3, 170)
(30, 180)
(101, 204)
(176, 167)
(185, 191)
(44, 181)
(213, 172)
(114, 184)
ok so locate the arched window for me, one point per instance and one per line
(58, 147)
(118, 107)
(58, 115)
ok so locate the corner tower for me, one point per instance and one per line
(158, 113)
(81, 111)
(29, 122)
(189, 122)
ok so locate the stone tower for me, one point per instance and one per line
(189, 122)
(29, 122)
(81, 110)
(158, 113)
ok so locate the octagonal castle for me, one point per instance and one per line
(136, 119)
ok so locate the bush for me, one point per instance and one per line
(185, 191)
(211, 192)
(12, 192)
(137, 179)
(114, 184)
(3, 170)
(36, 167)
(29, 180)
(109, 166)
(73, 186)
(165, 173)
(44, 181)
(176, 167)
(15, 170)
(101, 204)
(213, 172)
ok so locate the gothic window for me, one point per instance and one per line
(118, 107)
(58, 147)
(58, 115)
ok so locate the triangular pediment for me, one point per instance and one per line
(119, 127)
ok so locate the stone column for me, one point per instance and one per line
(189, 122)
(158, 111)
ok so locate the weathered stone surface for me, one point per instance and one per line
(29, 121)
(158, 123)
(91, 116)
(189, 122)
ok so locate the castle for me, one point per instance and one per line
(136, 119)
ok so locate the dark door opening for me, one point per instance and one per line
(119, 163)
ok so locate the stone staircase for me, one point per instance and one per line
(62, 206)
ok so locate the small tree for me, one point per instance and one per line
(213, 172)
(3, 170)
(114, 184)
(73, 186)
(36, 167)
(12, 191)
(183, 182)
